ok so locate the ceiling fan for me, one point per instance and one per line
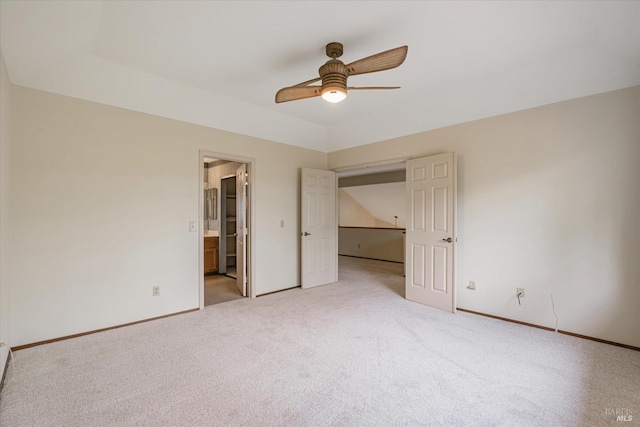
(334, 75)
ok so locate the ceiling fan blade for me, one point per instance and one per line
(372, 87)
(379, 62)
(297, 92)
(308, 82)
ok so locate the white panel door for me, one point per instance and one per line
(319, 228)
(241, 229)
(430, 231)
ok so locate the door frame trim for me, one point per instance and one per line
(454, 246)
(251, 220)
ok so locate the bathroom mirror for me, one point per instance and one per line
(211, 203)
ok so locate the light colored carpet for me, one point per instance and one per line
(350, 353)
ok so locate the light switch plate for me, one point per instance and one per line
(193, 226)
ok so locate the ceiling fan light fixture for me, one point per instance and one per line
(334, 94)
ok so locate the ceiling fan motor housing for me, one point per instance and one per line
(334, 75)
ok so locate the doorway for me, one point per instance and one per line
(371, 213)
(429, 240)
(226, 235)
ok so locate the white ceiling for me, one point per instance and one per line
(220, 63)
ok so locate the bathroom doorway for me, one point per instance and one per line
(226, 229)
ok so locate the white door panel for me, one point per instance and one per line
(430, 234)
(319, 239)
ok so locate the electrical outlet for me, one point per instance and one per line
(156, 291)
(520, 291)
(472, 285)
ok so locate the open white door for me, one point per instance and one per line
(319, 228)
(430, 231)
(241, 229)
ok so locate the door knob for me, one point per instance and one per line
(306, 234)
(448, 239)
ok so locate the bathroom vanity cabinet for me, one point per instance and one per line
(210, 254)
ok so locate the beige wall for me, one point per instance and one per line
(5, 136)
(548, 200)
(383, 243)
(100, 204)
